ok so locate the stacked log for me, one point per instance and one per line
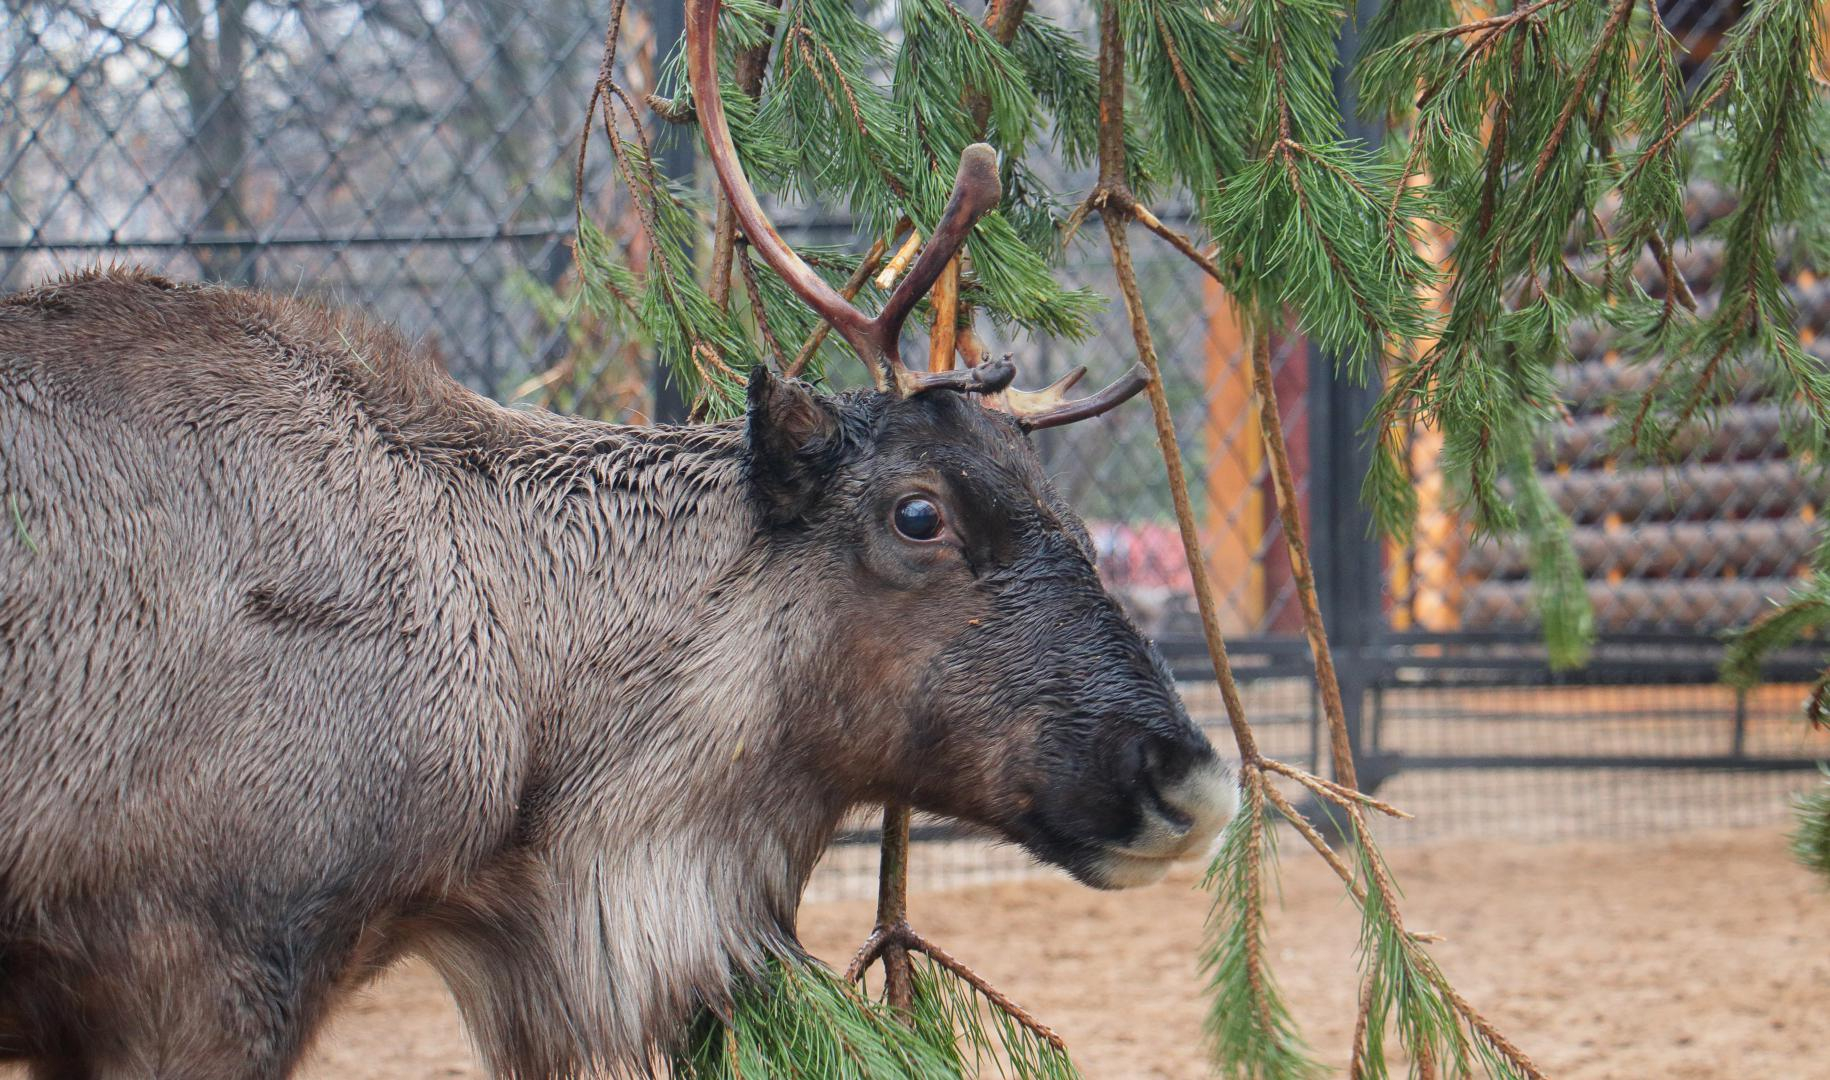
(1701, 545)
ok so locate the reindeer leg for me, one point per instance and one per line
(227, 998)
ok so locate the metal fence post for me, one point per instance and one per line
(1348, 564)
(675, 159)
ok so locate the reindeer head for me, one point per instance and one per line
(977, 666)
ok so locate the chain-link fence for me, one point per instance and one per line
(408, 156)
(415, 158)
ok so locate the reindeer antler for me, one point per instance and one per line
(875, 339)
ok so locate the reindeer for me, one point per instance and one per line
(311, 659)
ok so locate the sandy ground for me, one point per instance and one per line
(1698, 956)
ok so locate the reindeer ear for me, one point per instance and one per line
(796, 442)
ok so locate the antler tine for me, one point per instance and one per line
(987, 378)
(702, 73)
(1051, 407)
(975, 192)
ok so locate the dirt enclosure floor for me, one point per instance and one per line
(1691, 956)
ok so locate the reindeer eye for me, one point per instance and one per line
(918, 518)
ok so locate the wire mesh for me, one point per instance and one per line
(1574, 761)
(406, 155)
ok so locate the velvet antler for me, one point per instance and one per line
(875, 339)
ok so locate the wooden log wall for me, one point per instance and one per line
(1699, 546)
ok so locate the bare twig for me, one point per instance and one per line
(915, 942)
(1339, 794)
(893, 907)
(1283, 485)
(903, 937)
(900, 261)
(1356, 1069)
(1579, 89)
(1247, 742)
(756, 307)
(1116, 217)
(1307, 831)
(606, 70)
(853, 285)
(1175, 239)
(1499, 23)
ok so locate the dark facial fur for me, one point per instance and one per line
(1013, 691)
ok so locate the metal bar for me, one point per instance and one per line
(1413, 762)
(1737, 743)
(917, 833)
(674, 159)
(537, 231)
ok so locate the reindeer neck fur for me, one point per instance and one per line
(672, 820)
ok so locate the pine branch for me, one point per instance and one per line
(1250, 1029)
(752, 64)
(796, 1018)
(1249, 1026)
(853, 285)
(1283, 485)
(1811, 832)
(1112, 197)
(1610, 37)
(1522, 124)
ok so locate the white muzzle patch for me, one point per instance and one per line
(1181, 822)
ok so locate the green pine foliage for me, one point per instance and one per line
(1525, 125)
(799, 1019)
(1249, 1028)
(1803, 614)
(1776, 118)
(1407, 994)
(1302, 220)
(845, 119)
(949, 1012)
(1811, 829)
(1404, 993)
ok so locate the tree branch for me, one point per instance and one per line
(1283, 485)
(752, 63)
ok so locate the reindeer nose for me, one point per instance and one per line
(1164, 759)
(1184, 793)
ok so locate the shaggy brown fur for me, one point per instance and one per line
(309, 657)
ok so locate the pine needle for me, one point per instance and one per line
(1250, 1032)
(799, 1019)
(1811, 828)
